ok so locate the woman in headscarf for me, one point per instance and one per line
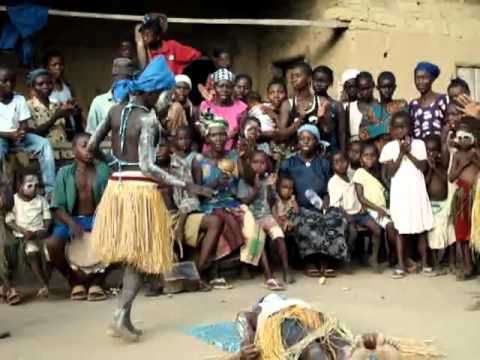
(224, 106)
(48, 115)
(428, 111)
(181, 112)
(221, 170)
(320, 234)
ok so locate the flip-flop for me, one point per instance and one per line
(96, 293)
(220, 284)
(398, 274)
(13, 297)
(329, 273)
(43, 292)
(274, 285)
(312, 272)
(4, 334)
(428, 272)
(78, 293)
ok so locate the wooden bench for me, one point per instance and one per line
(17, 160)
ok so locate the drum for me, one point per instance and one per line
(80, 255)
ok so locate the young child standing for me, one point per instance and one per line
(29, 220)
(464, 172)
(405, 160)
(436, 178)
(285, 207)
(371, 193)
(259, 197)
(343, 195)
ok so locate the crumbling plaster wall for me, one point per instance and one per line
(383, 34)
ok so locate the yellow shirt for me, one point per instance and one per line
(373, 189)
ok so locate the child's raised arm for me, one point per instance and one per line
(141, 51)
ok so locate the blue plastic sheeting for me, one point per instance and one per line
(24, 21)
(223, 335)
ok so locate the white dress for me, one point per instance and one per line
(409, 203)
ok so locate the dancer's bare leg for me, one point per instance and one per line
(122, 325)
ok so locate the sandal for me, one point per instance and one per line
(4, 334)
(96, 293)
(13, 297)
(274, 285)
(329, 273)
(78, 293)
(428, 272)
(220, 284)
(203, 286)
(43, 292)
(398, 274)
(312, 271)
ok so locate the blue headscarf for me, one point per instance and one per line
(432, 69)
(34, 74)
(312, 129)
(156, 77)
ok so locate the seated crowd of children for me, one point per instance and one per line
(300, 174)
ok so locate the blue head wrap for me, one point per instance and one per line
(34, 74)
(432, 69)
(312, 129)
(156, 77)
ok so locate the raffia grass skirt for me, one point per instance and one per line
(132, 226)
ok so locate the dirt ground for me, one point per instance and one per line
(417, 307)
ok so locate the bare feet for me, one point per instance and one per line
(122, 327)
(288, 277)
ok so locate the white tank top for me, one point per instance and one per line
(355, 119)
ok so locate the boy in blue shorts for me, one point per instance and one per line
(78, 189)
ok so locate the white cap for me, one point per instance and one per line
(349, 75)
(183, 78)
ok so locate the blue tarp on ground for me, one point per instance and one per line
(224, 335)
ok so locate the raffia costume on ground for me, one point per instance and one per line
(286, 328)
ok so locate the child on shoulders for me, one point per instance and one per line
(342, 193)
